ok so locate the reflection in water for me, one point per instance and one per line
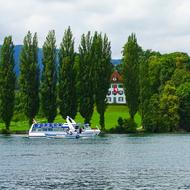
(109, 162)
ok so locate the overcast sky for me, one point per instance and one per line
(160, 25)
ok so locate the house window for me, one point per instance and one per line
(108, 99)
(109, 93)
(114, 79)
(120, 86)
(121, 92)
(120, 99)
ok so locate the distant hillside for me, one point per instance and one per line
(17, 52)
(116, 61)
(18, 49)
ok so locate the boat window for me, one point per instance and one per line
(87, 126)
(38, 129)
(65, 129)
(34, 129)
(58, 129)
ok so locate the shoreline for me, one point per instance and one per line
(25, 132)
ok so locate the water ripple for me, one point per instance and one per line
(112, 162)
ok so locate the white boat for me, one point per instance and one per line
(62, 130)
(83, 130)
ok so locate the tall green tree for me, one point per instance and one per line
(67, 76)
(49, 78)
(131, 57)
(144, 85)
(167, 68)
(148, 84)
(152, 117)
(29, 76)
(154, 66)
(85, 78)
(169, 106)
(180, 76)
(101, 49)
(183, 92)
(7, 81)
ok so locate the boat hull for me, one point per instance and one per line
(89, 133)
(54, 135)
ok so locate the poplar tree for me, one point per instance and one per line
(49, 78)
(131, 53)
(29, 76)
(67, 77)
(101, 50)
(85, 78)
(7, 81)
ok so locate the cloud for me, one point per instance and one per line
(159, 25)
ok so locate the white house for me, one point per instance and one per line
(116, 93)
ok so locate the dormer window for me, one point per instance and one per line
(114, 79)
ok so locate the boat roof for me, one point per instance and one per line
(57, 125)
(51, 125)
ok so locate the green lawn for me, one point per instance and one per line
(112, 114)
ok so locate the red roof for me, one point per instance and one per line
(116, 77)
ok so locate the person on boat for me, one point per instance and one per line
(34, 121)
(80, 130)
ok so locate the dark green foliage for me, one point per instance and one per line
(167, 68)
(67, 77)
(118, 68)
(144, 85)
(5, 131)
(131, 126)
(162, 111)
(125, 126)
(154, 67)
(7, 82)
(152, 117)
(131, 58)
(180, 76)
(169, 105)
(29, 77)
(181, 59)
(159, 103)
(85, 78)
(120, 128)
(101, 51)
(18, 108)
(183, 92)
(120, 121)
(49, 78)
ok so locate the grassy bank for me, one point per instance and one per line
(112, 114)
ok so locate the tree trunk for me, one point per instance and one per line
(7, 124)
(102, 121)
(30, 121)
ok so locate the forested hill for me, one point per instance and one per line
(116, 62)
(18, 49)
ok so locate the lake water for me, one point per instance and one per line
(110, 162)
